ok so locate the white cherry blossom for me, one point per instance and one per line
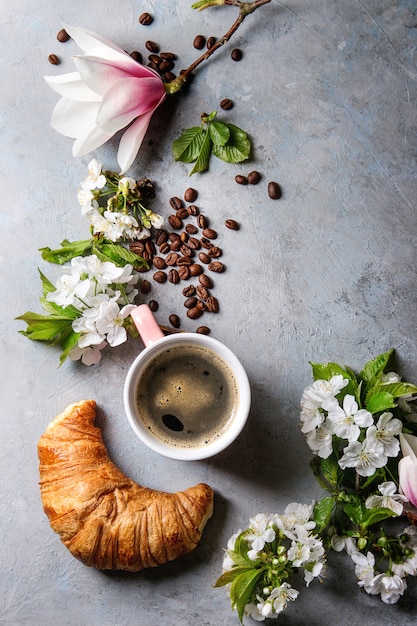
(365, 457)
(348, 421)
(388, 500)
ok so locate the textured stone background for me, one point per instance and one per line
(327, 91)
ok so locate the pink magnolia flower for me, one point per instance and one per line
(407, 467)
(109, 92)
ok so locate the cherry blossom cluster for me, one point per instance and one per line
(99, 296)
(122, 216)
(268, 553)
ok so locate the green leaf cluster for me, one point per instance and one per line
(198, 143)
(103, 249)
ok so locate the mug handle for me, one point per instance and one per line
(146, 324)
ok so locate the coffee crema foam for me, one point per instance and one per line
(187, 396)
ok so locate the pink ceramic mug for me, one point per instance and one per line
(186, 395)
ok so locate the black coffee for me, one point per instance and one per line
(187, 396)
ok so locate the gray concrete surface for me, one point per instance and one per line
(327, 91)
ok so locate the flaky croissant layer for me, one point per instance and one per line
(104, 518)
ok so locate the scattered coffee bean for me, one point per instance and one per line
(254, 178)
(160, 277)
(241, 180)
(154, 58)
(176, 203)
(202, 292)
(176, 245)
(173, 276)
(171, 258)
(165, 66)
(174, 320)
(203, 330)
(194, 243)
(199, 42)
(175, 221)
(184, 272)
(210, 42)
(63, 36)
(205, 281)
(191, 229)
(169, 77)
(152, 46)
(174, 237)
(231, 224)
(188, 291)
(214, 252)
(190, 302)
(145, 19)
(186, 250)
(216, 266)
(194, 313)
(145, 286)
(184, 260)
(190, 195)
(150, 247)
(193, 210)
(195, 269)
(226, 104)
(137, 247)
(212, 304)
(204, 258)
(136, 56)
(153, 305)
(168, 56)
(206, 243)
(209, 233)
(53, 59)
(236, 54)
(201, 306)
(159, 262)
(184, 236)
(182, 213)
(274, 190)
(161, 236)
(202, 221)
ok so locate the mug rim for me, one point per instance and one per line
(223, 441)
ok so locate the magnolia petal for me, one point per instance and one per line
(408, 445)
(131, 141)
(100, 74)
(126, 99)
(71, 86)
(73, 118)
(407, 471)
(93, 137)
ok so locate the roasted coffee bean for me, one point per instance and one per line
(173, 237)
(193, 210)
(184, 236)
(186, 250)
(169, 77)
(160, 277)
(274, 191)
(153, 305)
(210, 42)
(165, 66)
(146, 255)
(168, 56)
(241, 180)
(199, 42)
(202, 221)
(226, 104)
(155, 58)
(161, 236)
(194, 313)
(204, 258)
(203, 330)
(145, 19)
(184, 272)
(152, 46)
(231, 224)
(216, 266)
(236, 54)
(54, 59)
(184, 260)
(205, 281)
(150, 247)
(137, 247)
(63, 36)
(175, 221)
(254, 177)
(182, 213)
(152, 65)
(194, 243)
(171, 258)
(188, 291)
(176, 203)
(164, 248)
(214, 252)
(190, 195)
(206, 243)
(195, 269)
(212, 304)
(145, 286)
(202, 292)
(136, 56)
(201, 306)
(174, 320)
(190, 302)
(209, 233)
(159, 262)
(176, 245)
(173, 276)
(191, 229)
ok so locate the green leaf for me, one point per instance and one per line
(202, 162)
(219, 133)
(323, 512)
(228, 577)
(188, 146)
(326, 371)
(372, 369)
(242, 588)
(379, 401)
(68, 251)
(44, 327)
(47, 286)
(120, 255)
(68, 341)
(238, 147)
(375, 516)
(399, 389)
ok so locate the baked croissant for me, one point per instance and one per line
(104, 518)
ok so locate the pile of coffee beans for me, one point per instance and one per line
(185, 252)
